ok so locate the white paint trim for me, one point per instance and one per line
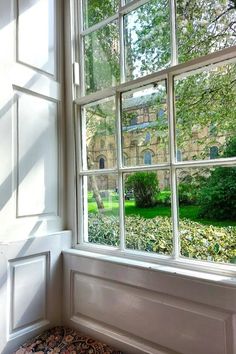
(126, 342)
(26, 330)
(215, 272)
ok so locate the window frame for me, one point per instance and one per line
(221, 57)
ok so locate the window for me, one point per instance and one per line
(148, 138)
(101, 163)
(179, 155)
(214, 152)
(147, 158)
(136, 57)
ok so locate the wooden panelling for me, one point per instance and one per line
(130, 306)
(28, 291)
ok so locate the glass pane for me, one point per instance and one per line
(95, 11)
(102, 58)
(148, 225)
(204, 27)
(99, 141)
(147, 39)
(145, 126)
(206, 113)
(207, 208)
(101, 210)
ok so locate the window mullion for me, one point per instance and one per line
(79, 178)
(122, 49)
(81, 48)
(174, 55)
(172, 149)
(120, 175)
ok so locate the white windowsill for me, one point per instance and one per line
(222, 274)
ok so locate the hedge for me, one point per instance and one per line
(203, 242)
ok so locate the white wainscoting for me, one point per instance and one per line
(148, 311)
(30, 287)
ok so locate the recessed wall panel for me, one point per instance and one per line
(28, 291)
(167, 321)
(36, 32)
(37, 161)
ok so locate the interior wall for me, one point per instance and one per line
(141, 308)
(31, 119)
(30, 287)
(32, 168)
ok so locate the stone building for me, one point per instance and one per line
(145, 140)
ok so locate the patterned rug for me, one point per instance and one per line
(66, 341)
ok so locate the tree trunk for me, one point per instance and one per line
(95, 189)
(96, 193)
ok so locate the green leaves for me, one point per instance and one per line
(203, 242)
(145, 188)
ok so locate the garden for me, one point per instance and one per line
(207, 213)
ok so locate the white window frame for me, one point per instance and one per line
(222, 57)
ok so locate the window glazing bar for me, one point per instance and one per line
(99, 25)
(96, 96)
(126, 169)
(174, 57)
(132, 6)
(229, 161)
(81, 50)
(120, 175)
(173, 179)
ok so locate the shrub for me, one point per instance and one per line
(145, 188)
(218, 195)
(205, 242)
(230, 148)
(188, 193)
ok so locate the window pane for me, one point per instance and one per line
(145, 126)
(207, 208)
(206, 112)
(148, 224)
(204, 27)
(102, 58)
(95, 11)
(147, 39)
(99, 143)
(101, 210)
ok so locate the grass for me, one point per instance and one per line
(187, 211)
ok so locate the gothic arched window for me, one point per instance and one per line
(101, 163)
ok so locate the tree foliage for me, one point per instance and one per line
(218, 195)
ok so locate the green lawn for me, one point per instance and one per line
(188, 211)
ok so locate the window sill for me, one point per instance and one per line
(222, 274)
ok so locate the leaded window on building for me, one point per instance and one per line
(101, 163)
(214, 152)
(162, 74)
(147, 158)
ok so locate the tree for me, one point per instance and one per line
(202, 100)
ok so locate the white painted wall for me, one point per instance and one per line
(138, 309)
(143, 310)
(30, 287)
(31, 124)
(31, 168)
(132, 305)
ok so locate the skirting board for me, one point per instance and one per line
(120, 340)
